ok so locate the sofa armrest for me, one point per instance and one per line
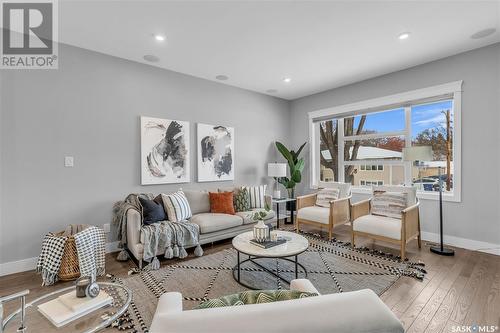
(360, 208)
(303, 285)
(306, 200)
(169, 303)
(134, 222)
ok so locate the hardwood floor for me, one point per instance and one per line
(459, 290)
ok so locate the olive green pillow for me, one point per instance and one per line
(241, 200)
(254, 297)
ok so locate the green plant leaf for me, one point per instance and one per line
(286, 154)
(300, 165)
(300, 149)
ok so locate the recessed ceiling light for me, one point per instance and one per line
(287, 79)
(151, 58)
(483, 33)
(222, 77)
(404, 35)
(271, 91)
(159, 38)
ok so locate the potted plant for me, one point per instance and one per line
(261, 231)
(295, 166)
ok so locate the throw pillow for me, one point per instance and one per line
(257, 196)
(241, 200)
(151, 211)
(388, 204)
(326, 195)
(254, 297)
(221, 202)
(177, 206)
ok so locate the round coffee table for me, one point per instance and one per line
(92, 322)
(295, 245)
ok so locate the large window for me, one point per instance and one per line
(365, 147)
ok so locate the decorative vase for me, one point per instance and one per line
(261, 231)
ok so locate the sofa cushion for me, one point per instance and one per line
(248, 215)
(326, 195)
(378, 225)
(241, 200)
(210, 222)
(221, 202)
(177, 206)
(315, 214)
(254, 297)
(199, 201)
(257, 196)
(152, 211)
(388, 204)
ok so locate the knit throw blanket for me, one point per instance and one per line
(166, 237)
(90, 247)
(50, 258)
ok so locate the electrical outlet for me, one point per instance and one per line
(107, 228)
(68, 161)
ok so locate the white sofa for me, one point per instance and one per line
(213, 227)
(350, 312)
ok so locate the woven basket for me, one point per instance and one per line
(70, 268)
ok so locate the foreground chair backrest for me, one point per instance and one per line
(338, 212)
(388, 229)
(356, 311)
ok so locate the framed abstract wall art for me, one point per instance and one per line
(215, 146)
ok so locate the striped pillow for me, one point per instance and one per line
(326, 195)
(257, 196)
(388, 204)
(177, 206)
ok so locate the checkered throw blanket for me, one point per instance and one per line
(91, 249)
(50, 258)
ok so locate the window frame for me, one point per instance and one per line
(448, 91)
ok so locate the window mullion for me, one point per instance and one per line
(407, 164)
(340, 152)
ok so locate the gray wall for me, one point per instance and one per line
(90, 109)
(477, 216)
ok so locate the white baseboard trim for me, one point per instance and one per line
(30, 263)
(464, 243)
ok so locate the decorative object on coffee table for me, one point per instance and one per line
(261, 231)
(91, 322)
(276, 171)
(295, 245)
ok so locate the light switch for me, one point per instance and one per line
(68, 161)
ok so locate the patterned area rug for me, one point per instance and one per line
(332, 267)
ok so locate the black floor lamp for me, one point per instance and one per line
(424, 153)
(441, 249)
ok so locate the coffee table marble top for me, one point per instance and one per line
(295, 245)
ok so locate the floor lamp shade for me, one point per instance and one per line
(417, 153)
(276, 170)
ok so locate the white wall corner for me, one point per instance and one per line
(30, 263)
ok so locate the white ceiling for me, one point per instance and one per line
(320, 45)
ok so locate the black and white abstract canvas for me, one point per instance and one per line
(215, 153)
(164, 151)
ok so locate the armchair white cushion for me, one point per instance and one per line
(315, 213)
(379, 225)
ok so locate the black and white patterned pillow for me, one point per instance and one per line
(177, 206)
(389, 204)
(257, 196)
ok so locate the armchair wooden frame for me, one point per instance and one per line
(410, 225)
(339, 212)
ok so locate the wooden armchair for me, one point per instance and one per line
(388, 229)
(337, 213)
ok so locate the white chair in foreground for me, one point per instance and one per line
(327, 214)
(389, 221)
(356, 311)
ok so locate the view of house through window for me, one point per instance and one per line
(371, 147)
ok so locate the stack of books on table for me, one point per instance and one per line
(268, 243)
(66, 308)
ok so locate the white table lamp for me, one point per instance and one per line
(276, 170)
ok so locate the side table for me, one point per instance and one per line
(279, 201)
